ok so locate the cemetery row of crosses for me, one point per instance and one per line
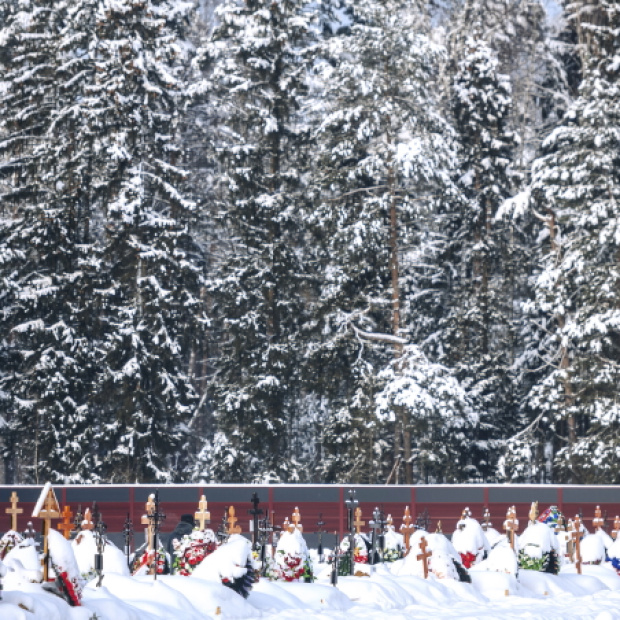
(66, 556)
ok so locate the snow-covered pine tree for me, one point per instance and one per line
(151, 305)
(47, 255)
(575, 192)
(383, 157)
(479, 253)
(254, 63)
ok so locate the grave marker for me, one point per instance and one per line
(14, 510)
(202, 515)
(66, 527)
(232, 528)
(358, 523)
(46, 509)
(424, 555)
(407, 528)
(598, 521)
(577, 543)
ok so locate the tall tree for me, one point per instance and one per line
(255, 66)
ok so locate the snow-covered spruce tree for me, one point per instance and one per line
(255, 69)
(383, 157)
(575, 193)
(150, 307)
(479, 254)
(48, 255)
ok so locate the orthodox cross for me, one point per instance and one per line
(466, 513)
(376, 525)
(202, 515)
(616, 530)
(87, 522)
(534, 512)
(423, 520)
(29, 532)
(100, 529)
(296, 517)
(154, 519)
(232, 528)
(577, 541)
(335, 563)
(424, 555)
(358, 523)
(486, 515)
(128, 537)
(66, 527)
(256, 512)
(146, 520)
(14, 511)
(351, 504)
(286, 526)
(46, 509)
(389, 523)
(407, 528)
(320, 531)
(511, 525)
(96, 515)
(598, 521)
(265, 528)
(222, 530)
(559, 524)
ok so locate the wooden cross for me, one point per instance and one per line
(511, 525)
(297, 520)
(87, 522)
(358, 523)
(576, 534)
(407, 528)
(424, 555)
(486, 515)
(466, 513)
(559, 524)
(389, 523)
(202, 516)
(598, 521)
(570, 528)
(14, 511)
(66, 527)
(46, 510)
(145, 520)
(438, 529)
(232, 528)
(534, 512)
(616, 530)
(287, 526)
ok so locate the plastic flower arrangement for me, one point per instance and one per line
(191, 550)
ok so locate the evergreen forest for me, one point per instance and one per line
(362, 241)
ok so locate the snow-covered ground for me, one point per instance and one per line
(595, 594)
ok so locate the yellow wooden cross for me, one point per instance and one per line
(87, 523)
(232, 528)
(296, 517)
(14, 511)
(66, 527)
(358, 523)
(46, 509)
(424, 555)
(616, 530)
(202, 516)
(511, 525)
(598, 520)
(407, 528)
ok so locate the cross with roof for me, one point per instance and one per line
(14, 510)
(202, 515)
(424, 555)
(46, 508)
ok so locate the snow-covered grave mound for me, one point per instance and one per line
(395, 590)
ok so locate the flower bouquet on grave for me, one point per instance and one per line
(68, 583)
(8, 541)
(532, 559)
(191, 550)
(143, 560)
(289, 567)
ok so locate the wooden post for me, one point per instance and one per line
(407, 528)
(87, 522)
(534, 512)
(14, 511)
(232, 528)
(438, 529)
(616, 530)
(145, 520)
(202, 515)
(358, 523)
(287, 526)
(598, 521)
(297, 520)
(66, 527)
(486, 515)
(577, 540)
(424, 556)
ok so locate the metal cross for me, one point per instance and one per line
(100, 529)
(128, 537)
(256, 512)
(376, 526)
(320, 531)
